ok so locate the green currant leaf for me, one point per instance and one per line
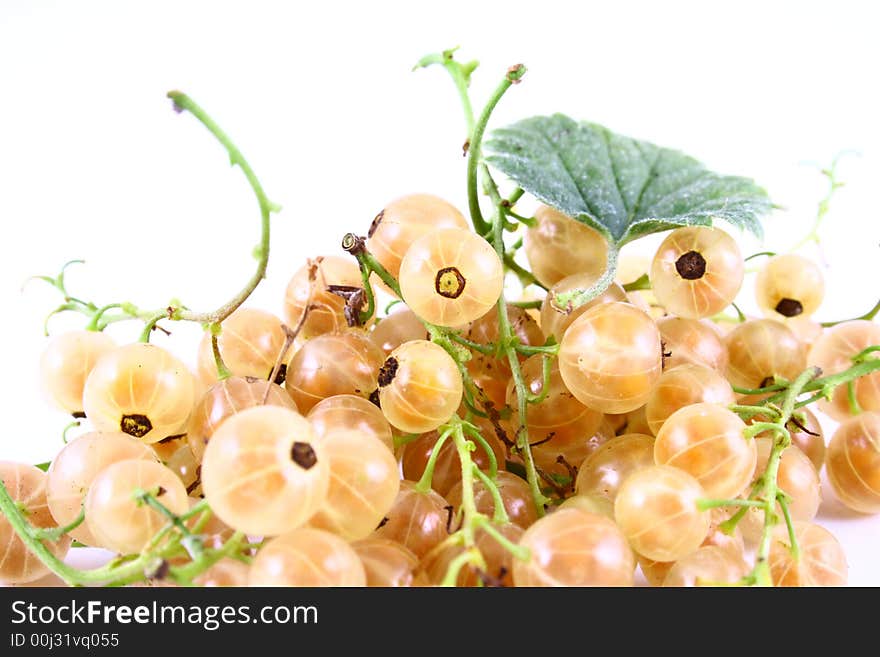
(622, 187)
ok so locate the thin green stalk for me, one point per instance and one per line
(475, 155)
(531, 350)
(520, 552)
(182, 102)
(150, 325)
(825, 203)
(525, 277)
(862, 356)
(776, 387)
(73, 425)
(490, 454)
(769, 491)
(641, 283)
(470, 556)
(368, 312)
(522, 397)
(546, 367)
(70, 575)
(499, 515)
(468, 505)
(424, 484)
(514, 196)
(854, 406)
(223, 372)
(822, 386)
(825, 385)
(486, 349)
(747, 412)
(527, 304)
(52, 534)
(740, 315)
(355, 246)
(789, 523)
(95, 323)
(705, 505)
(461, 76)
(568, 301)
(400, 441)
(186, 573)
(530, 222)
(871, 314)
(118, 571)
(769, 254)
(99, 320)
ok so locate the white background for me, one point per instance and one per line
(321, 99)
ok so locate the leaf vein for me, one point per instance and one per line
(652, 170)
(565, 166)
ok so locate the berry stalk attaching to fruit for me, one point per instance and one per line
(766, 492)
(121, 571)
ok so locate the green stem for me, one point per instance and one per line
(525, 277)
(468, 505)
(192, 543)
(470, 556)
(128, 569)
(486, 349)
(792, 535)
(747, 412)
(500, 513)
(769, 254)
(368, 312)
(223, 372)
(187, 573)
(460, 74)
(546, 367)
(531, 222)
(705, 505)
(824, 204)
(757, 428)
(182, 102)
(149, 325)
(514, 75)
(854, 406)
(95, 323)
(69, 574)
(821, 386)
(769, 491)
(471, 431)
(641, 283)
(424, 484)
(776, 387)
(400, 441)
(99, 320)
(827, 384)
(66, 430)
(527, 304)
(740, 315)
(522, 397)
(520, 552)
(568, 301)
(355, 245)
(531, 350)
(52, 534)
(862, 356)
(871, 314)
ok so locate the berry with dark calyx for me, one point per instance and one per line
(697, 271)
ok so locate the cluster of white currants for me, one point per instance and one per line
(632, 423)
